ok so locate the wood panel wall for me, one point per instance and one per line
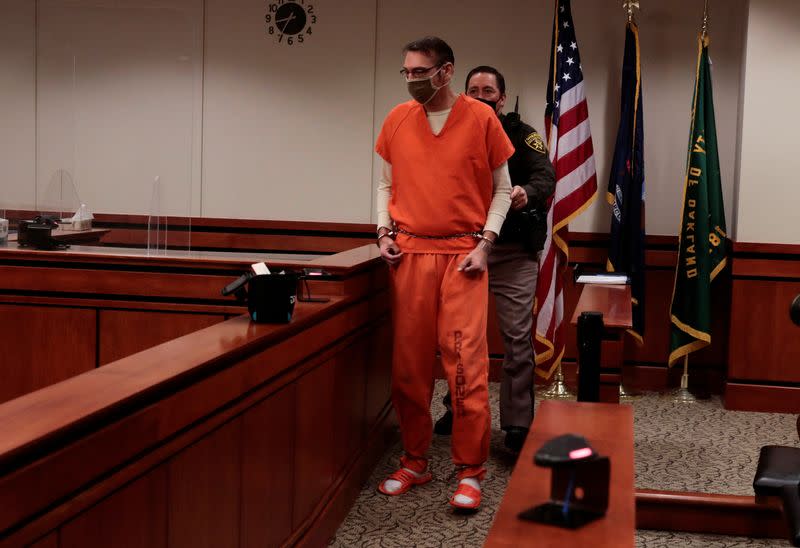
(765, 280)
(764, 345)
(237, 435)
(240, 235)
(61, 321)
(44, 345)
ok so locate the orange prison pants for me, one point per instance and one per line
(437, 307)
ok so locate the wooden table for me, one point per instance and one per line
(609, 430)
(614, 303)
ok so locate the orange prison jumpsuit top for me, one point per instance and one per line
(441, 185)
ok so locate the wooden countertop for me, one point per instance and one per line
(613, 301)
(609, 430)
(346, 262)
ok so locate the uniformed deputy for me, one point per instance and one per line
(513, 264)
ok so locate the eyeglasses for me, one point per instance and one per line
(417, 72)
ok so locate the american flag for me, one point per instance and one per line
(570, 142)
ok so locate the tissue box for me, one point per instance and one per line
(67, 224)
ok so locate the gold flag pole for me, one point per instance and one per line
(628, 5)
(682, 394)
(704, 30)
(557, 390)
(626, 395)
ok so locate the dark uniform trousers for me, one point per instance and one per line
(513, 271)
(512, 280)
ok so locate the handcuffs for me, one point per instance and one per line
(392, 233)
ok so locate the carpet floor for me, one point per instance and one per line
(699, 447)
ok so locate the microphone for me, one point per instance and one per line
(794, 310)
(236, 284)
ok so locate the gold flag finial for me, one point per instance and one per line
(629, 6)
(704, 31)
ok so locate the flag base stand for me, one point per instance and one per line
(682, 394)
(627, 396)
(558, 389)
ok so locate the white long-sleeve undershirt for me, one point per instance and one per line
(501, 182)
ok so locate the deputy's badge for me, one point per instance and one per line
(536, 143)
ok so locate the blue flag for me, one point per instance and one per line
(626, 183)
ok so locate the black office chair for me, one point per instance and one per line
(778, 472)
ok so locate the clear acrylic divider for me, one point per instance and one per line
(60, 200)
(157, 225)
(3, 227)
(126, 146)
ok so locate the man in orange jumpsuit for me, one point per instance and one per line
(442, 198)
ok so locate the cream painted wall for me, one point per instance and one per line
(118, 101)
(17, 104)
(515, 37)
(287, 130)
(769, 186)
(241, 126)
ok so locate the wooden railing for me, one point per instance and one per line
(236, 434)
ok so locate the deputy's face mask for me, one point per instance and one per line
(492, 104)
(422, 89)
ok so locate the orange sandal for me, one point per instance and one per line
(468, 491)
(407, 481)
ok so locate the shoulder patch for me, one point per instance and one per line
(535, 141)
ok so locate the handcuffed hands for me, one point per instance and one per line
(390, 251)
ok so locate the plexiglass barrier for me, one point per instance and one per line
(116, 106)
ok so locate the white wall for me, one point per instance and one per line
(514, 36)
(17, 104)
(287, 130)
(769, 180)
(118, 101)
(238, 125)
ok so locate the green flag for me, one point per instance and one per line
(703, 237)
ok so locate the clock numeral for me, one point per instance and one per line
(310, 9)
(300, 38)
(268, 18)
(271, 29)
(280, 38)
(313, 19)
(273, 8)
(289, 41)
(308, 31)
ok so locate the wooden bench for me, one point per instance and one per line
(609, 429)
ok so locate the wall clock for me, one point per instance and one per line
(290, 22)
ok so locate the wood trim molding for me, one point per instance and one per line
(741, 396)
(745, 516)
(334, 507)
(108, 219)
(765, 248)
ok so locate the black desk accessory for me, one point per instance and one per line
(38, 234)
(270, 297)
(590, 337)
(579, 483)
(313, 274)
